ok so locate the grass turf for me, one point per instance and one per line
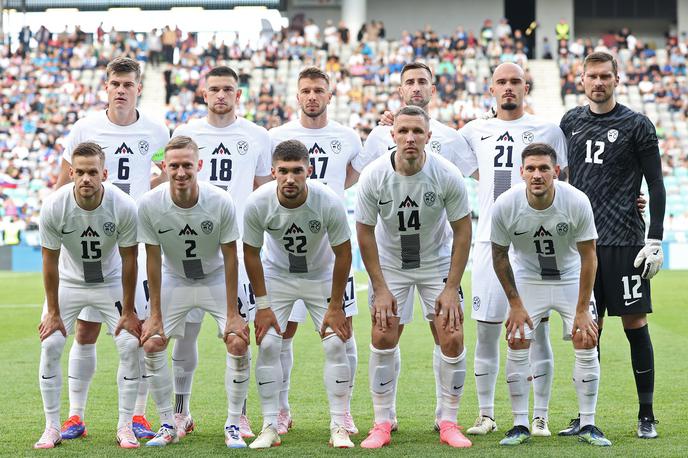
(23, 421)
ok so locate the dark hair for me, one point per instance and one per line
(182, 142)
(89, 149)
(414, 66)
(599, 58)
(222, 71)
(290, 150)
(314, 73)
(539, 149)
(412, 110)
(123, 65)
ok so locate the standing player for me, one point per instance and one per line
(495, 146)
(308, 258)
(552, 230)
(236, 157)
(417, 89)
(611, 149)
(404, 203)
(335, 155)
(129, 139)
(88, 233)
(194, 225)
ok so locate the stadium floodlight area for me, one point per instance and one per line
(103, 5)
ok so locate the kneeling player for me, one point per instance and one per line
(82, 226)
(410, 195)
(194, 225)
(552, 229)
(301, 219)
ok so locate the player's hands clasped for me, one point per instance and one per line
(130, 323)
(152, 327)
(448, 309)
(384, 308)
(584, 325)
(336, 320)
(265, 319)
(518, 318)
(238, 327)
(653, 256)
(50, 324)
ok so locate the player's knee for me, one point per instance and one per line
(385, 339)
(154, 345)
(236, 345)
(86, 332)
(634, 321)
(335, 348)
(53, 345)
(127, 345)
(270, 347)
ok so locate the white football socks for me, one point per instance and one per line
(517, 373)
(128, 375)
(352, 357)
(286, 358)
(82, 366)
(382, 374)
(50, 377)
(542, 370)
(237, 374)
(269, 377)
(486, 365)
(452, 376)
(337, 377)
(586, 378)
(184, 364)
(160, 382)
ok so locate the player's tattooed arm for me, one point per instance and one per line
(447, 305)
(384, 305)
(335, 318)
(518, 316)
(51, 281)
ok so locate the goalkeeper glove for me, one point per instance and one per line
(653, 256)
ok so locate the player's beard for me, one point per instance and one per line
(423, 103)
(314, 114)
(221, 110)
(509, 106)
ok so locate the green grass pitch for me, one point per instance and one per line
(22, 419)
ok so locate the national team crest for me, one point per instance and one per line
(435, 147)
(336, 146)
(109, 228)
(562, 228)
(429, 198)
(612, 135)
(207, 226)
(314, 226)
(476, 303)
(528, 137)
(242, 147)
(143, 147)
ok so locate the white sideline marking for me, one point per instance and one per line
(14, 306)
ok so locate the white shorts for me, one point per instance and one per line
(489, 301)
(298, 312)
(401, 284)
(106, 301)
(539, 300)
(179, 296)
(285, 292)
(141, 298)
(247, 300)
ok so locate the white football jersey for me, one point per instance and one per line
(444, 141)
(128, 149)
(410, 212)
(544, 240)
(331, 149)
(190, 238)
(495, 147)
(299, 239)
(232, 156)
(88, 240)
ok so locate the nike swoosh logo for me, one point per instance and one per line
(538, 376)
(520, 233)
(588, 381)
(239, 381)
(177, 360)
(642, 372)
(341, 381)
(146, 376)
(480, 375)
(73, 378)
(458, 387)
(390, 148)
(655, 253)
(511, 381)
(47, 378)
(265, 383)
(63, 231)
(160, 231)
(575, 132)
(385, 383)
(485, 138)
(127, 378)
(627, 303)
(383, 203)
(273, 229)
(201, 147)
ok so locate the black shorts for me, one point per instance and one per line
(619, 289)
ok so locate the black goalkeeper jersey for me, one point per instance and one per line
(605, 153)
